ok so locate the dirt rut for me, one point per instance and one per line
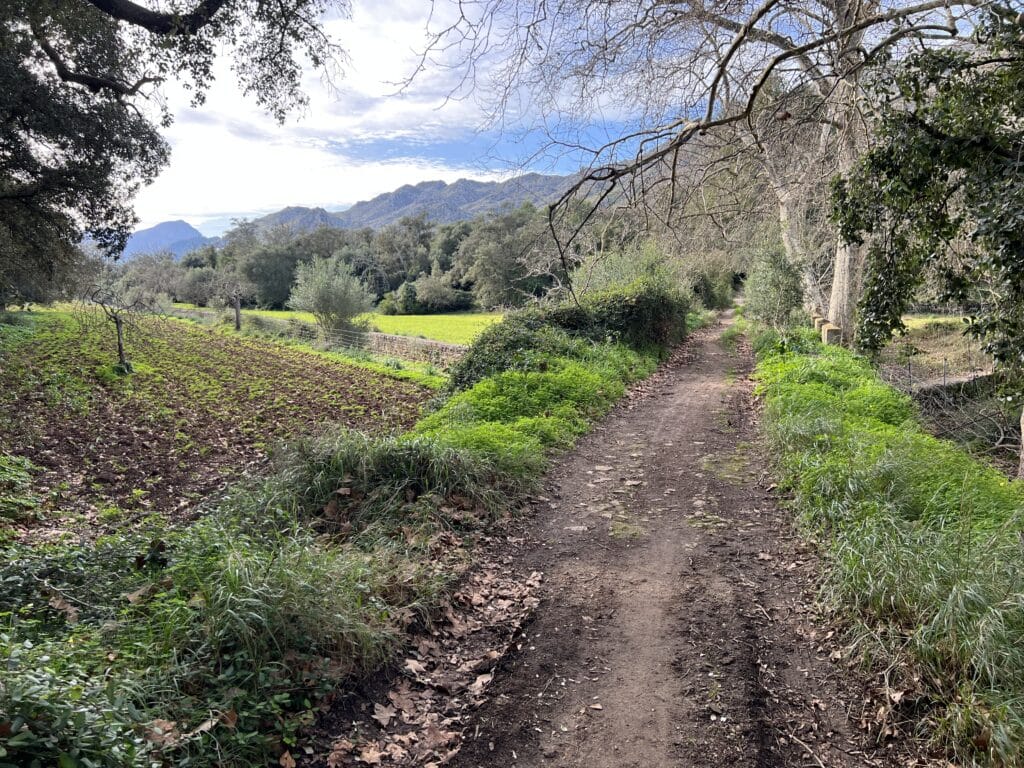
(674, 629)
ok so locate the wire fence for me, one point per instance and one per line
(411, 348)
(963, 406)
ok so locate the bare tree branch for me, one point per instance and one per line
(161, 23)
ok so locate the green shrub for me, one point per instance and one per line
(520, 342)
(713, 289)
(61, 715)
(643, 314)
(774, 290)
(17, 499)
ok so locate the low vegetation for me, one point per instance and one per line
(210, 644)
(922, 543)
(457, 328)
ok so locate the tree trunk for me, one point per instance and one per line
(842, 302)
(122, 358)
(236, 301)
(849, 259)
(1020, 468)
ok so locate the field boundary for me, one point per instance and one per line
(412, 348)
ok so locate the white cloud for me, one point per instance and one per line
(229, 158)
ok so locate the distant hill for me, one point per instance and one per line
(463, 199)
(441, 202)
(178, 237)
(298, 219)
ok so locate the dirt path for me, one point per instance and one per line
(674, 629)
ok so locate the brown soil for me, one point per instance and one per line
(202, 414)
(674, 627)
(654, 608)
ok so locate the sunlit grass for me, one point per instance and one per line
(454, 328)
(935, 345)
(458, 328)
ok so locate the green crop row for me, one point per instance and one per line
(922, 543)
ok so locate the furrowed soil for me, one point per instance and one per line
(202, 409)
(675, 624)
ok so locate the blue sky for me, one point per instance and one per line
(230, 160)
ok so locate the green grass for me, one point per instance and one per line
(211, 644)
(922, 543)
(454, 328)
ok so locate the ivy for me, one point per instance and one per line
(940, 196)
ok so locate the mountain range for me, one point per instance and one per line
(179, 237)
(441, 202)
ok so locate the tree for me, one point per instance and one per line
(328, 289)
(435, 292)
(942, 193)
(403, 248)
(124, 309)
(406, 299)
(154, 274)
(76, 143)
(231, 285)
(773, 291)
(693, 85)
(497, 258)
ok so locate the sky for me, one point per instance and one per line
(230, 160)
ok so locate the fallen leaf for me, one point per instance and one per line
(370, 754)
(764, 556)
(477, 687)
(395, 752)
(415, 667)
(62, 605)
(596, 706)
(402, 698)
(383, 714)
(340, 750)
(434, 737)
(286, 760)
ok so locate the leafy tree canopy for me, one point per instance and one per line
(78, 121)
(941, 194)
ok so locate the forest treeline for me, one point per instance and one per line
(505, 259)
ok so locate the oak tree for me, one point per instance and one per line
(80, 110)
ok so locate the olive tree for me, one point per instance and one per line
(329, 290)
